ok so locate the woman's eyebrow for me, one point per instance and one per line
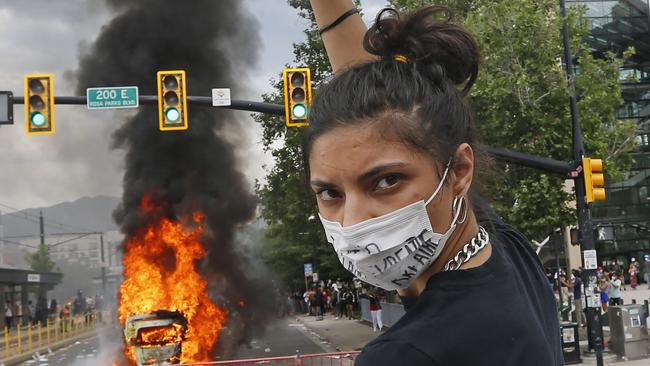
(322, 184)
(370, 173)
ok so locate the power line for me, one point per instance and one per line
(47, 221)
(17, 243)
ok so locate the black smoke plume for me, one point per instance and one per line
(215, 41)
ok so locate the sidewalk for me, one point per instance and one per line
(351, 335)
(641, 293)
(338, 334)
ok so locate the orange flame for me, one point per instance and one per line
(160, 274)
(162, 335)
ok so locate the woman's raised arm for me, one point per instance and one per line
(344, 42)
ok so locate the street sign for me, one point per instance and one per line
(591, 261)
(221, 97)
(309, 269)
(112, 98)
(6, 108)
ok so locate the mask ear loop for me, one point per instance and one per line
(442, 182)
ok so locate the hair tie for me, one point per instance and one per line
(401, 58)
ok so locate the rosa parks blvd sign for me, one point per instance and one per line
(111, 98)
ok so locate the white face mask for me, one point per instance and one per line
(392, 250)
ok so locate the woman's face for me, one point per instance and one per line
(357, 174)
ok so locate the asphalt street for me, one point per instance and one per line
(283, 338)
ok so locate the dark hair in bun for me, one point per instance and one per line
(411, 93)
(428, 38)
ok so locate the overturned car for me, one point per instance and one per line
(156, 337)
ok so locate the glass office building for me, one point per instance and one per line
(615, 26)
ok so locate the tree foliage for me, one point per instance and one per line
(294, 234)
(521, 102)
(40, 260)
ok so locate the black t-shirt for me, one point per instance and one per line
(500, 313)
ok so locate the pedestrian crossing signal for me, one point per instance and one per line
(297, 96)
(39, 104)
(594, 179)
(172, 100)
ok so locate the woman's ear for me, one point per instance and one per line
(463, 169)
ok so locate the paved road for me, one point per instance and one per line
(79, 353)
(282, 338)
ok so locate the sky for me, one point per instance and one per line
(43, 36)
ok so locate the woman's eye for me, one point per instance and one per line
(328, 194)
(388, 181)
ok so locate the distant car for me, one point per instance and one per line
(156, 337)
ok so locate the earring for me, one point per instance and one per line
(460, 200)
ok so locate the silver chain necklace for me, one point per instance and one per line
(469, 250)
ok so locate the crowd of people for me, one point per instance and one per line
(17, 315)
(612, 279)
(339, 301)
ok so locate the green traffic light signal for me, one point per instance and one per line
(38, 119)
(299, 111)
(172, 114)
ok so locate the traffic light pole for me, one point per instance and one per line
(242, 105)
(585, 227)
(511, 156)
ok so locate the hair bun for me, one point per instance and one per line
(428, 38)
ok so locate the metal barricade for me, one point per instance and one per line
(329, 359)
(317, 359)
(267, 361)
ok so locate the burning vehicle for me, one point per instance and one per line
(156, 337)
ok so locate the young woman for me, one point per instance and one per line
(390, 156)
(375, 309)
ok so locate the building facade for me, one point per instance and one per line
(616, 26)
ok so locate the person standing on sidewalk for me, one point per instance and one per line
(615, 289)
(318, 303)
(29, 313)
(348, 300)
(576, 285)
(18, 314)
(375, 308)
(9, 314)
(646, 270)
(390, 156)
(633, 271)
(604, 288)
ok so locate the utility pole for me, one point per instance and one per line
(2, 242)
(585, 227)
(101, 247)
(42, 229)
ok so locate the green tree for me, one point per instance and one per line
(521, 103)
(40, 260)
(294, 234)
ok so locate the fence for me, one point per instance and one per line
(390, 313)
(318, 359)
(33, 336)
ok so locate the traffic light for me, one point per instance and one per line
(594, 179)
(297, 96)
(39, 104)
(172, 100)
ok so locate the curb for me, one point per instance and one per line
(17, 359)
